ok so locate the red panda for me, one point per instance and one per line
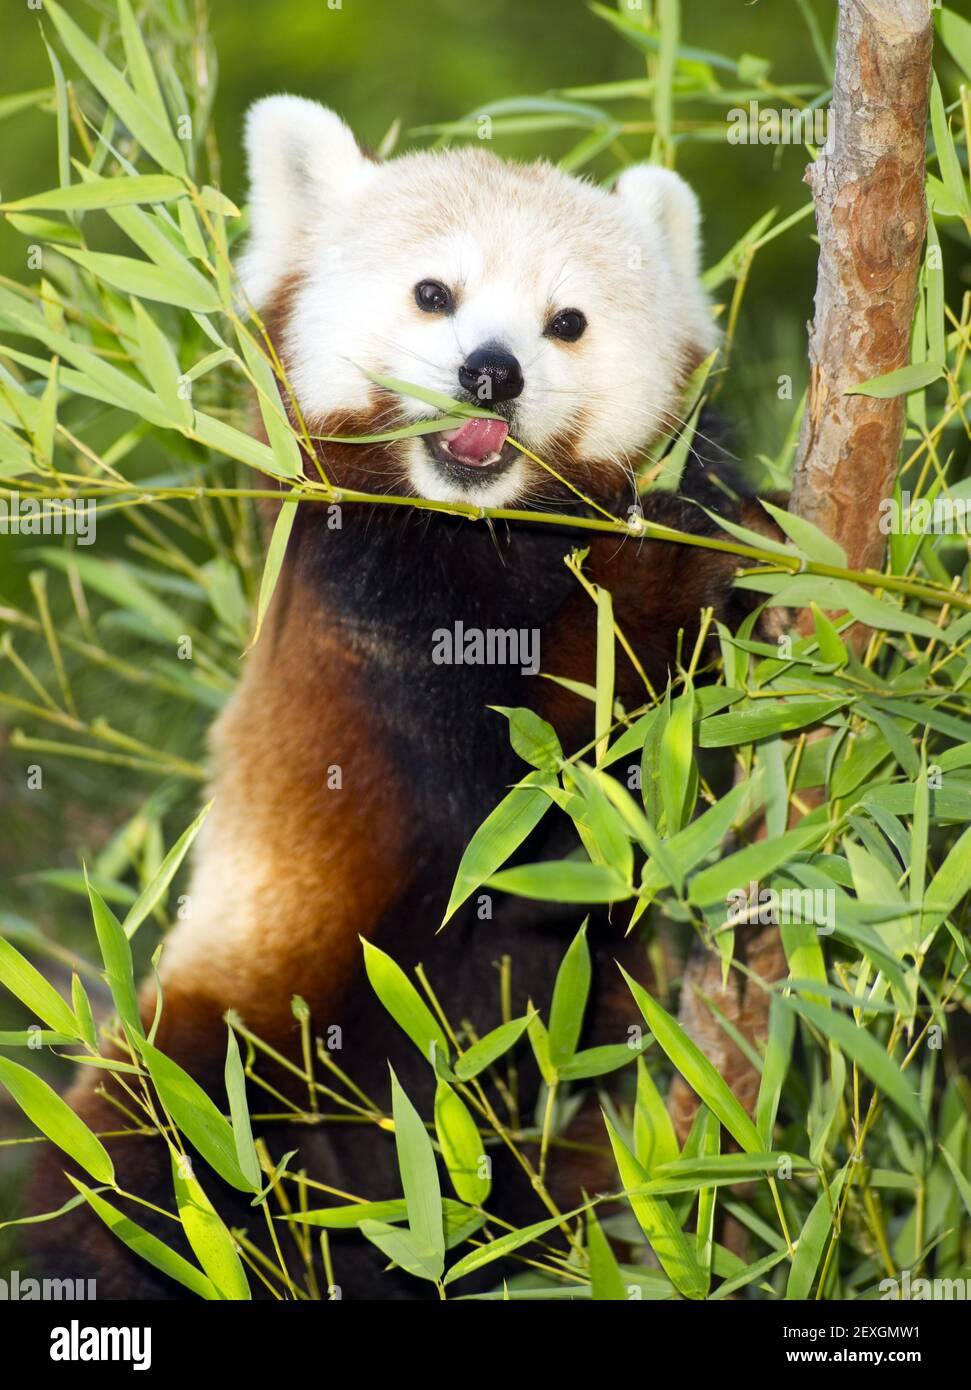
(352, 766)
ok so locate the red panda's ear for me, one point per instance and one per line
(661, 198)
(303, 162)
(666, 209)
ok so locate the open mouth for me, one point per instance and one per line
(478, 444)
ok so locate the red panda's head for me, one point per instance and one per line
(572, 312)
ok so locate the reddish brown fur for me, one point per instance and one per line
(343, 854)
(343, 859)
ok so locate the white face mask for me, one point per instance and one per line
(573, 312)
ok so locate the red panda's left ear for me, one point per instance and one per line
(666, 209)
(661, 198)
(303, 163)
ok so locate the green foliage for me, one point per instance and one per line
(858, 762)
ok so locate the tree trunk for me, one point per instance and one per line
(868, 186)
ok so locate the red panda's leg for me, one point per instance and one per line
(304, 850)
(306, 847)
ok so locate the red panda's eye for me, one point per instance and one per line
(433, 297)
(567, 325)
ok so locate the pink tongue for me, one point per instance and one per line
(476, 440)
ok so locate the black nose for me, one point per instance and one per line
(492, 374)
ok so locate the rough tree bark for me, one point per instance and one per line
(868, 186)
(871, 216)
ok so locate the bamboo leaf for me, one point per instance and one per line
(662, 867)
(147, 1246)
(934, 290)
(160, 366)
(83, 1013)
(655, 1141)
(275, 555)
(947, 155)
(205, 1231)
(505, 1245)
(462, 1147)
(490, 1048)
(604, 704)
(570, 991)
(677, 762)
(765, 719)
(707, 1198)
(753, 863)
(900, 382)
(657, 1220)
(539, 1041)
(103, 193)
(606, 1281)
(564, 881)
(139, 64)
(116, 954)
(55, 1118)
(283, 442)
(28, 985)
(405, 1249)
(598, 1061)
(865, 1051)
(143, 123)
(195, 1115)
(403, 1002)
(155, 890)
(446, 404)
(778, 1056)
(951, 882)
(184, 288)
(699, 838)
(960, 1179)
(458, 1220)
(498, 837)
(533, 738)
(815, 1232)
(239, 1110)
(956, 33)
(419, 1178)
(602, 824)
(22, 101)
(812, 542)
(696, 1069)
(345, 1218)
(70, 1205)
(832, 648)
(748, 1275)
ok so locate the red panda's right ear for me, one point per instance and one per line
(303, 161)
